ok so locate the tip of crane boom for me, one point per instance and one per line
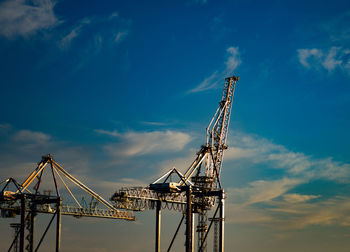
(48, 156)
(232, 78)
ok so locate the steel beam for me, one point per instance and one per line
(222, 221)
(23, 223)
(158, 225)
(189, 220)
(31, 229)
(58, 224)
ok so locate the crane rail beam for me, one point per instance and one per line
(73, 211)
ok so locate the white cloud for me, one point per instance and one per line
(73, 33)
(5, 127)
(263, 191)
(238, 214)
(22, 149)
(25, 18)
(305, 54)
(232, 62)
(66, 40)
(154, 123)
(114, 15)
(142, 143)
(334, 58)
(113, 133)
(296, 215)
(290, 212)
(207, 84)
(110, 187)
(272, 202)
(298, 198)
(116, 29)
(338, 29)
(258, 150)
(200, 2)
(27, 136)
(331, 61)
(120, 36)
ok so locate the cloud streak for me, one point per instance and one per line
(318, 59)
(270, 201)
(25, 18)
(233, 60)
(258, 150)
(73, 33)
(142, 143)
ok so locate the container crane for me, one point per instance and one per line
(197, 190)
(16, 198)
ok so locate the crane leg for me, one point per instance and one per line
(158, 224)
(222, 220)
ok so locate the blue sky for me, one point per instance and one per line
(122, 92)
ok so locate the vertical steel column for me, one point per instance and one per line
(189, 220)
(192, 235)
(31, 228)
(23, 222)
(158, 224)
(58, 225)
(222, 220)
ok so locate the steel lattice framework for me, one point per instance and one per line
(197, 190)
(29, 204)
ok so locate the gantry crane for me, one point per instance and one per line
(16, 198)
(197, 190)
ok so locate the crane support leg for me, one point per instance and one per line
(158, 224)
(222, 220)
(189, 220)
(58, 224)
(23, 223)
(31, 223)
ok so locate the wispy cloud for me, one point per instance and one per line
(269, 201)
(258, 150)
(199, 2)
(22, 149)
(154, 123)
(5, 127)
(305, 55)
(114, 15)
(142, 143)
(24, 18)
(338, 29)
(318, 59)
(263, 191)
(28, 136)
(120, 36)
(298, 198)
(272, 201)
(233, 60)
(113, 133)
(73, 33)
(91, 38)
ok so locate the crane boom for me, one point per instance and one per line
(218, 127)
